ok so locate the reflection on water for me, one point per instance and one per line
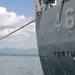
(20, 65)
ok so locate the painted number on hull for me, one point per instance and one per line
(57, 24)
(69, 20)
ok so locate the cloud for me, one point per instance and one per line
(10, 18)
(9, 21)
(2, 10)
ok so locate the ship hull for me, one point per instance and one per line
(56, 42)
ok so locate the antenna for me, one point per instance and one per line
(17, 29)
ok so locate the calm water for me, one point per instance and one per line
(20, 65)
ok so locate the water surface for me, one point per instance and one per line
(20, 65)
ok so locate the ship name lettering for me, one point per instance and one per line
(64, 54)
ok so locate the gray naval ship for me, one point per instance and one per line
(55, 30)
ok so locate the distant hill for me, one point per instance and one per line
(18, 51)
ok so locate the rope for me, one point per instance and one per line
(17, 29)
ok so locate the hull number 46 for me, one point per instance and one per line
(69, 20)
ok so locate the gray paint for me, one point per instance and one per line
(50, 40)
